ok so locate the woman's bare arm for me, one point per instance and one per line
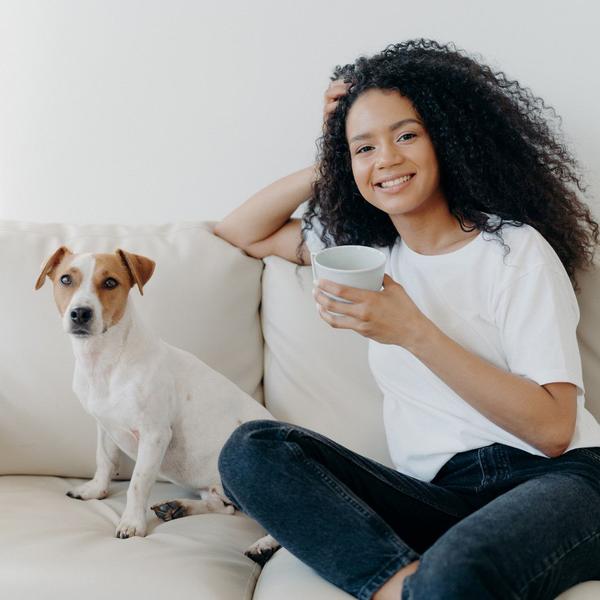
(262, 225)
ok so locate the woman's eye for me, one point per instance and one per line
(66, 280)
(111, 283)
(405, 137)
(363, 149)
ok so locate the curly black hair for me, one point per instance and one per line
(497, 145)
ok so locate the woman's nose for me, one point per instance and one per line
(388, 155)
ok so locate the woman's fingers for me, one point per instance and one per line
(345, 292)
(329, 108)
(337, 321)
(335, 90)
(333, 93)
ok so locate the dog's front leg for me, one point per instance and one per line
(151, 451)
(107, 462)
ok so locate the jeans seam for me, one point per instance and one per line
(480, 456)
(375, 474)
(406, 553)
(557, 559)
(504, 464)
(364, 511)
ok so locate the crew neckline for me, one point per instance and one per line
(463, 250)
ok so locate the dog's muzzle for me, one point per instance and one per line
(81, 320)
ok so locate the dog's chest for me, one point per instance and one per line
(118, 422)
(115, 411)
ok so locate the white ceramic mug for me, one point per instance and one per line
(354, 266)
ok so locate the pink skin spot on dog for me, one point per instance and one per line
(136, 434)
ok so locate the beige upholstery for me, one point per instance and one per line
(204, 297)
(588, 334)
(55, 547)
(315, 376)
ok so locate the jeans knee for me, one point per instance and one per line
(240, 449)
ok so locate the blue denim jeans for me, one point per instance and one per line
(496, 522)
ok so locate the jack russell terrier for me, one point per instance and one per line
(160, 405)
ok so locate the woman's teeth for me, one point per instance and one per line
(393, 182)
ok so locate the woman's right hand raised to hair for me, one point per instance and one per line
(335, 90)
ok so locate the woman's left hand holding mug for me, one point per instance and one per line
(388, 316)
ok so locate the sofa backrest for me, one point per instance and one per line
(318, 377)
(203, 297)
(588, 334)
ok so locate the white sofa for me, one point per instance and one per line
(254, 322)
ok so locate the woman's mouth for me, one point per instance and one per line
(391, 186)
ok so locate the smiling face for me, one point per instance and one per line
(393, 159)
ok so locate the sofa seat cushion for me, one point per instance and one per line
(58, 548)
(284, 576)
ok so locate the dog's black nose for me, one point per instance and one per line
(81, 315)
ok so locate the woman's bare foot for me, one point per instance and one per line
(392, 588)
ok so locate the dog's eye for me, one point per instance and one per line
(110, 283)
(66, 280)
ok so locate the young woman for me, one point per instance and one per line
(456, 173)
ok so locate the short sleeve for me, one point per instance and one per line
(537, 316)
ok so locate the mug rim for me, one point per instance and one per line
(377, 266)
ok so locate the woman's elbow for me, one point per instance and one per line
(555, 450)
(253, 249)
(229, 235)
(220, 231)
(560, 442)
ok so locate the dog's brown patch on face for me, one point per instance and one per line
(63, 292)
(113, 299)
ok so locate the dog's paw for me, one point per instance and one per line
(131, 527)
(170, 510)
(88, 491)
(175, 509)
(262, 550)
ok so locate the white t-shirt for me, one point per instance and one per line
(518, 312)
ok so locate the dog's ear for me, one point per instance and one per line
(50, 265)
(140, 268)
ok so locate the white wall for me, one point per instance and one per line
(149, 111)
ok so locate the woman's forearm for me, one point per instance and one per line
(268, 210)
(518, 405)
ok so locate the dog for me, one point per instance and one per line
(161, 406)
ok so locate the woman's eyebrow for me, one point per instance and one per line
(394, 126)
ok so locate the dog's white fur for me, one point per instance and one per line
(160, 405)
